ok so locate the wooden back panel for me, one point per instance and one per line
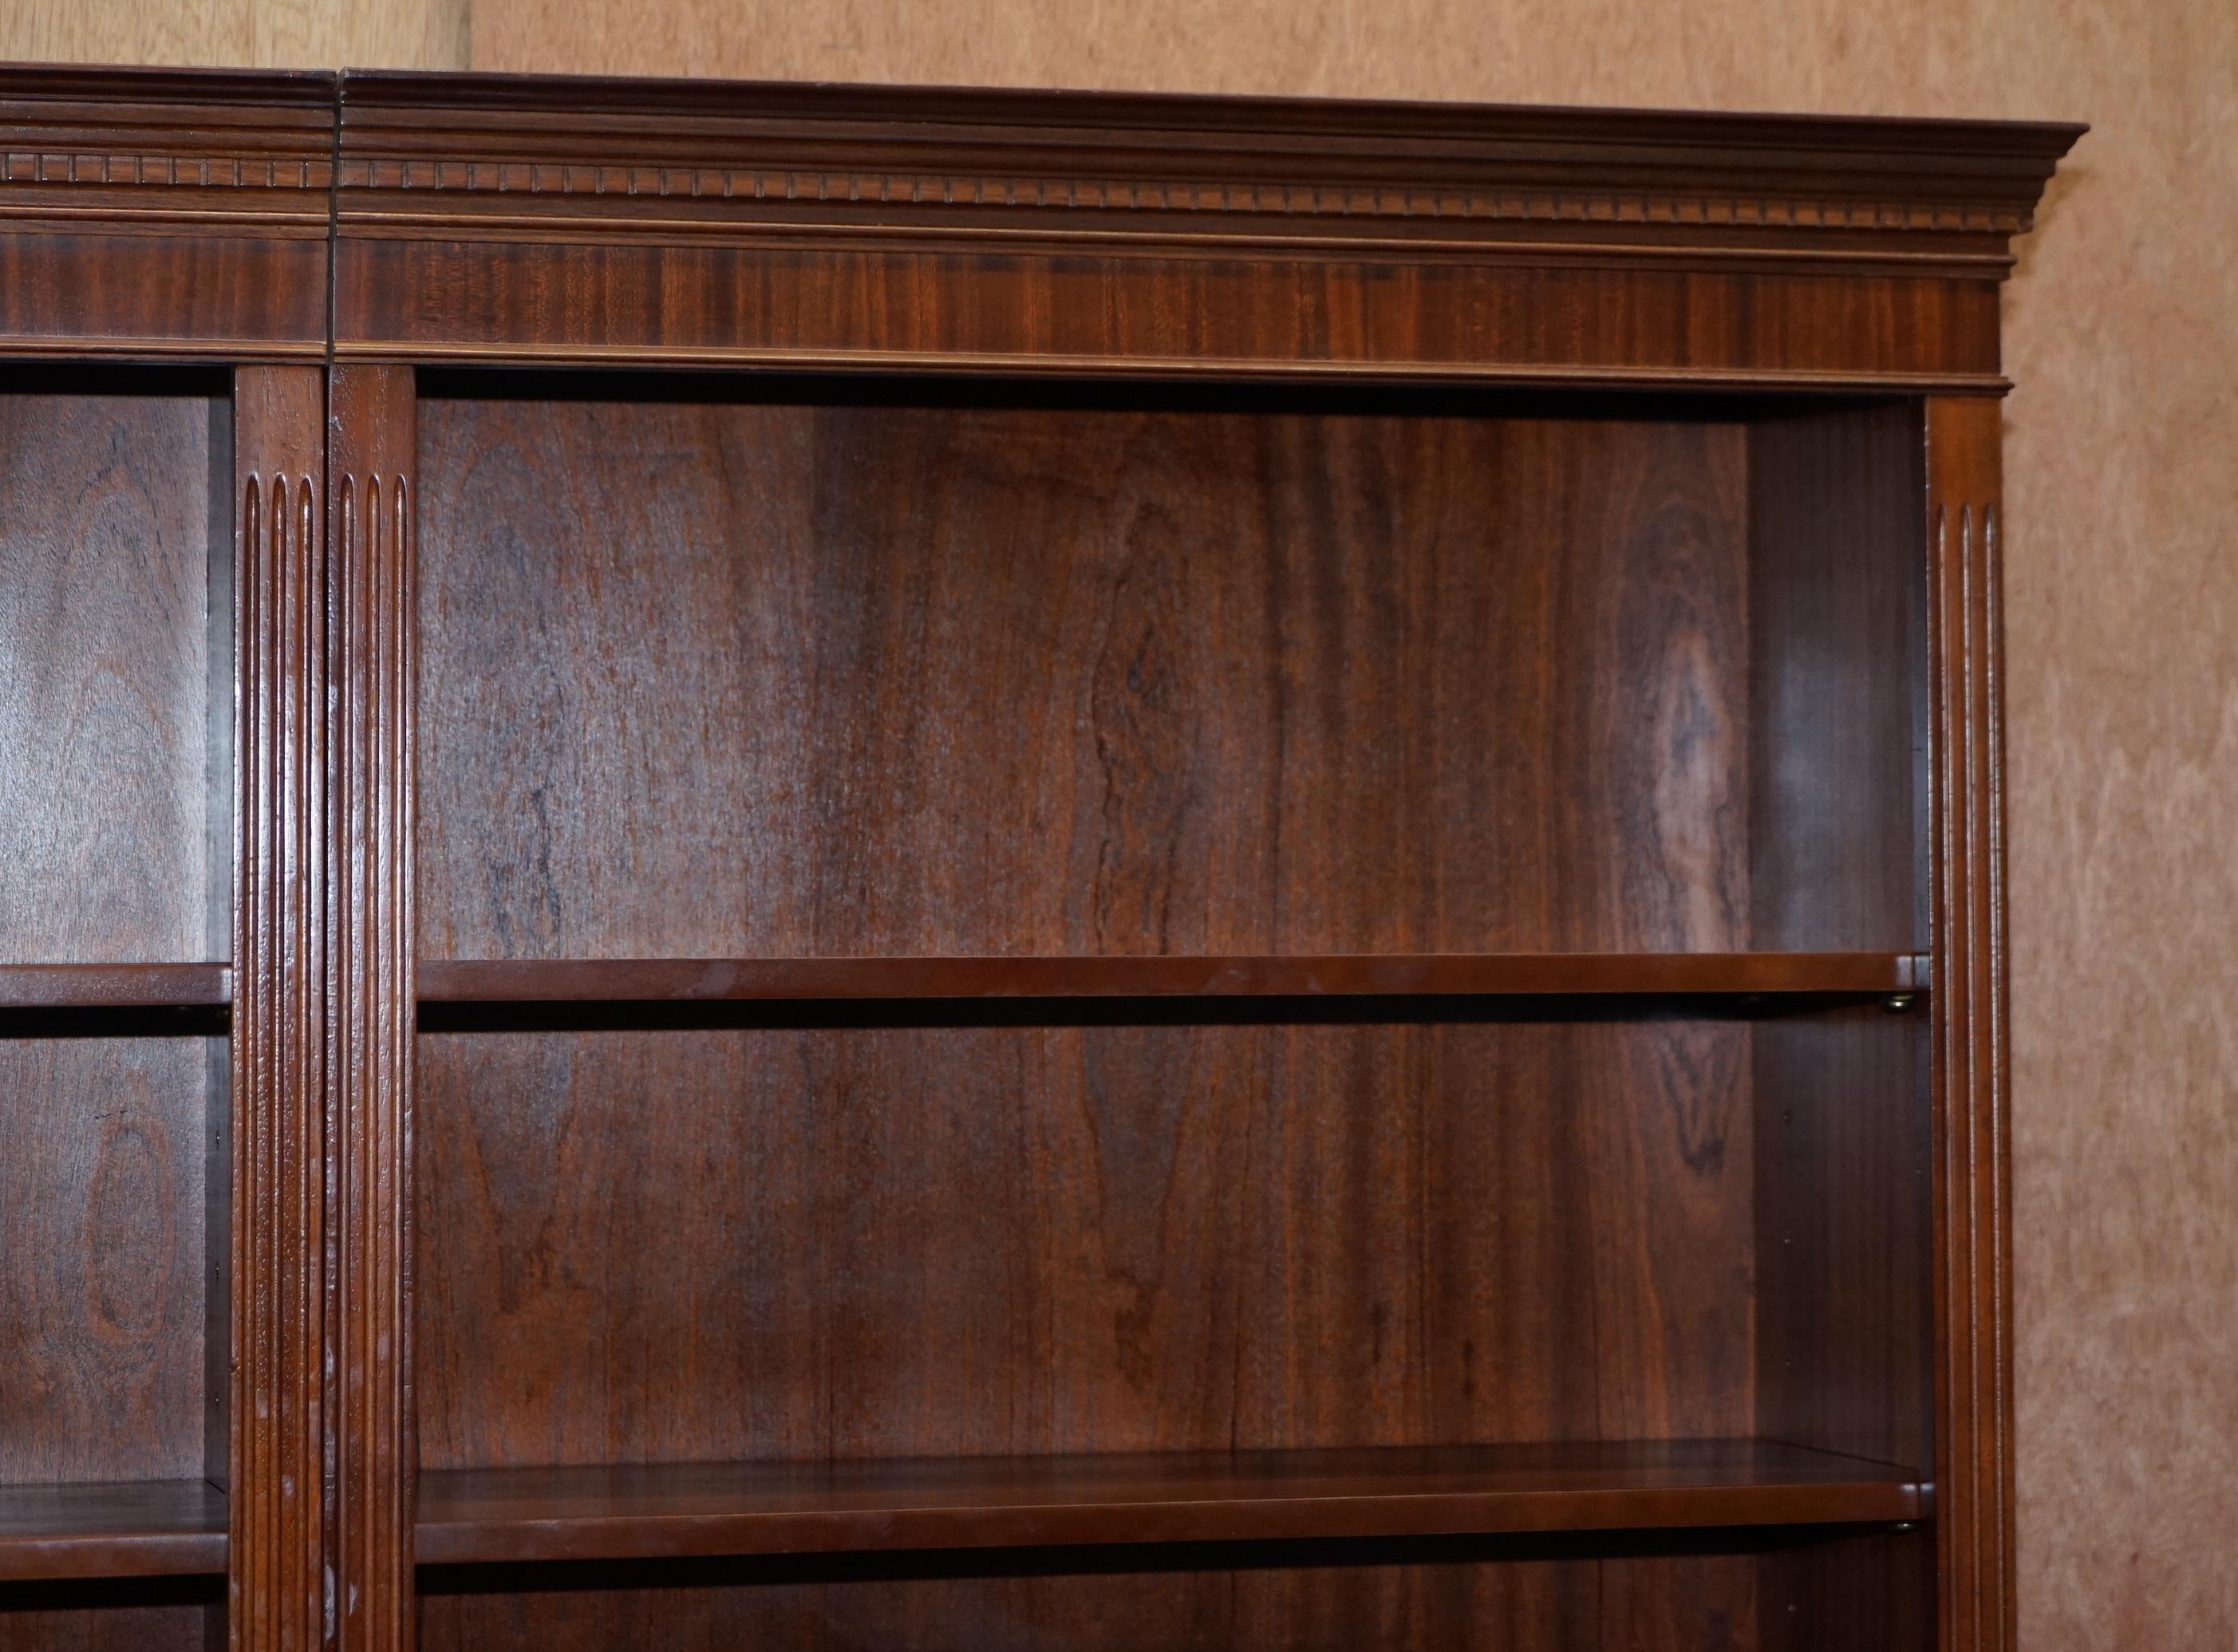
(115, 835)
(761, 678)
(104, 601)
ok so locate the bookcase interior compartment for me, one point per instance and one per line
(914, 680)
(906, 1242)
(115, 807)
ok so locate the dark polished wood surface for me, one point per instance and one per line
(1837, 847)
(1355, 975)
(104, 512)
(1121, 234)
(368, 1141)
(1583, 1593)
(1342, 976)
(103, 586)
(107, 577)
(124, 985)
(899, 1241)
(100, 1258)
(1965, 509)
(275, 1170)
(124, 1529)
(1255, 780)
(1065, 678)
(671, 1510)
(156, 213)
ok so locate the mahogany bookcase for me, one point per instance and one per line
(819, 867)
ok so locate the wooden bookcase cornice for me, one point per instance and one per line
(157, 212)
(685, 223)
(747, 224)
(632, 157)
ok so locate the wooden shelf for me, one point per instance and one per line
(1428, 974)
(156, 985)
(139, 1529)
(140, 986)
(670, 1510)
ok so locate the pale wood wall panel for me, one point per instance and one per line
(2122, 475)
(245, 34)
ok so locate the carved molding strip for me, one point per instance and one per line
(182, 171)
(824, 187)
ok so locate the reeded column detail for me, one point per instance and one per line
(371, 445)
(279, 1511)
(1974, 1462)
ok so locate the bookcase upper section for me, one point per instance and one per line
(519, 219)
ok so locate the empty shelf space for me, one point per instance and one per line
(138, 1528)
(670, 1510)
(1423, 974)
(135, 985)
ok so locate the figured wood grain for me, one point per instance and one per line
(101, 1287)
(105, 588)
(1436, 974)
(134, 1529)
(2122, 333)
(1076, 679)
(369, 1145)
(965, 1241)
(278, 1514)
(670, 1511)
(1078, 1289)
(103, 584)
(1649, 800)
(1088, 314)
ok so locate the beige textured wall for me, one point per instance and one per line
(2122, 578)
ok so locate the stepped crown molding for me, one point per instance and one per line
(529, 155)
(135, 146)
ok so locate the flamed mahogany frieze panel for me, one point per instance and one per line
(792, 300)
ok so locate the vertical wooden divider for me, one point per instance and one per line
(279, 1515)
(319, 1459)
(371, 439)
(1974, 1464)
